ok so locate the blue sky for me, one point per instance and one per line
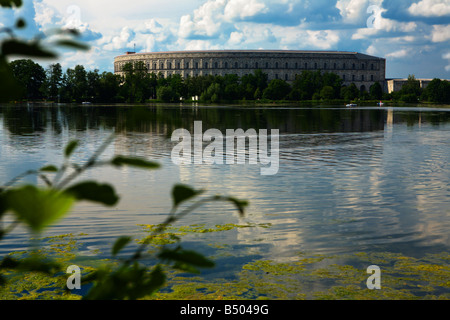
(414, 36)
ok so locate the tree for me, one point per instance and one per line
(109, 87)
(93, 84)
(350, 93)
(53, 81)
(327, 93)
(411, 90)
(376, 91)
(30, 76)
(165, 94)
(437, 91)
(276, 90)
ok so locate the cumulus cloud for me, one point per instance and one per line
(440, 33)
(446, 56)
(243, 9)
(121, 41)
(399, 54)
(430, 8)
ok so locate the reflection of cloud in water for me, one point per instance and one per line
(336, 190)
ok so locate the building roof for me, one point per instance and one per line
(355, 54)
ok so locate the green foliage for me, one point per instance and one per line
(38, 207)
(276, 90)
(27, 78)
(437, 91)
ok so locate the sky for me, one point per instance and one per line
(413, 36)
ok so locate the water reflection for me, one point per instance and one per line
(349, 180)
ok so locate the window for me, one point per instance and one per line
(226, 64)
(169, 65)
(286, 77)
(276, 75)
(296, 65)
(216, 65)
(363, 66)
(371, 66)
(353, 77)
(287, 65)
(362, 78)
(315, 65)
(324, 65)
(206, 65)
(256, 65)
(334, 66)
(196, 65)
(267, 65)
(343, 66)
(236, 65)
(354, 66)
(276, 65)
(343, 77)
(371, 77)
(306, 66)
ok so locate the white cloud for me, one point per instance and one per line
(430, 8)
(294, 37)
(384, 25)
(243, 9)
(446, 56)
(399, 54)
(236, 38)
(121, 41)
(357, 11)
(440, 33)
(206, 20)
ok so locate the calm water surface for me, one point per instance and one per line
(350, 180)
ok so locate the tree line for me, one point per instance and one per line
(137, 85)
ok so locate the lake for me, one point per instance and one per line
(350, 180)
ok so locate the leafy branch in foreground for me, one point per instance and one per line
(38, 207)
(39, 47)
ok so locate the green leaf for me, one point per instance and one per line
(20, 23)
(50, 168)
(135, 162)
(19, 48)
(38, 208)
(120, 244)
(10, 3)
(72, 44)
(181, 193)
(93, 191)
(240, 204)
(70, 148)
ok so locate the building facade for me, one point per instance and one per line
(353, 67)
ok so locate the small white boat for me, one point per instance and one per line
(380, 104)
(351, 105)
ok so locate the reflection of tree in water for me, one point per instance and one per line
(20, 120)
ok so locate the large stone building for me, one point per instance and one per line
(352, 67)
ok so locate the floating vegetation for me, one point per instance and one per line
(307, 277)
(317, 277)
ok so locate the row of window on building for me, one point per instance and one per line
(225, 65)
(287, 77)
